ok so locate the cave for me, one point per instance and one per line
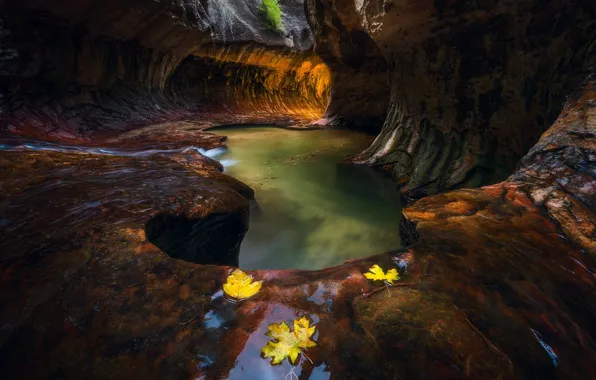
(304, 189)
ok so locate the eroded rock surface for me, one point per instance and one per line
(55, 205)
(71, 70)
(470, 85)
(526, 244)
(560, 171)
(482, 294)
(461, 89)
(496, 282)
(492, 286)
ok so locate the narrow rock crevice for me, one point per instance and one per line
(408, 232)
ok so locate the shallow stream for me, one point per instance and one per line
(314, 212)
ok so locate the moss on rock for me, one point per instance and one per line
(272, 13)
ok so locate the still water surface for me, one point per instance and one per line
(314, 212)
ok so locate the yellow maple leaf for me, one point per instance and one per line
(240, 285)
(288, 343)
(376, 273)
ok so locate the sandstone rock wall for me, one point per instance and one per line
(462, 90)
(248, 81)
(560, 170)
(69, 70)
(359, 73)
(472, 84)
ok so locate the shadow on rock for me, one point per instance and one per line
(214, 239)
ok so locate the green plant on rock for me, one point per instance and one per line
(272, 13)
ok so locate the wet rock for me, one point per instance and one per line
(55, 205)
(560, 170)
(490, 287)
(499, 255)
(468, 88)
(526, 244)
(497, 282)
(424, 329)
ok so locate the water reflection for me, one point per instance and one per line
(213, 320)
(549, 350)
(251, 365)
(315, 212)
(320, 372)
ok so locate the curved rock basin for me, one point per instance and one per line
(493, 282)
(313, 211)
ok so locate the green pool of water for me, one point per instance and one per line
(313, 211)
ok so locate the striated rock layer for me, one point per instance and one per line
(70, 71)
(462, 90)
(252, 82)
(559, 172)
(470, 85)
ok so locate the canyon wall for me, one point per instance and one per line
(459, 91)
(495, 282)
(252, 82)
(472, 84)
(559, 172)
(68, 71)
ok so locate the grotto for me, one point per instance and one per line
(297, 189)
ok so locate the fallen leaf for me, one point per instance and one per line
(240, 285)
(376, 273)
(288, 343)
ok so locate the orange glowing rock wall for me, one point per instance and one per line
(251, 81)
